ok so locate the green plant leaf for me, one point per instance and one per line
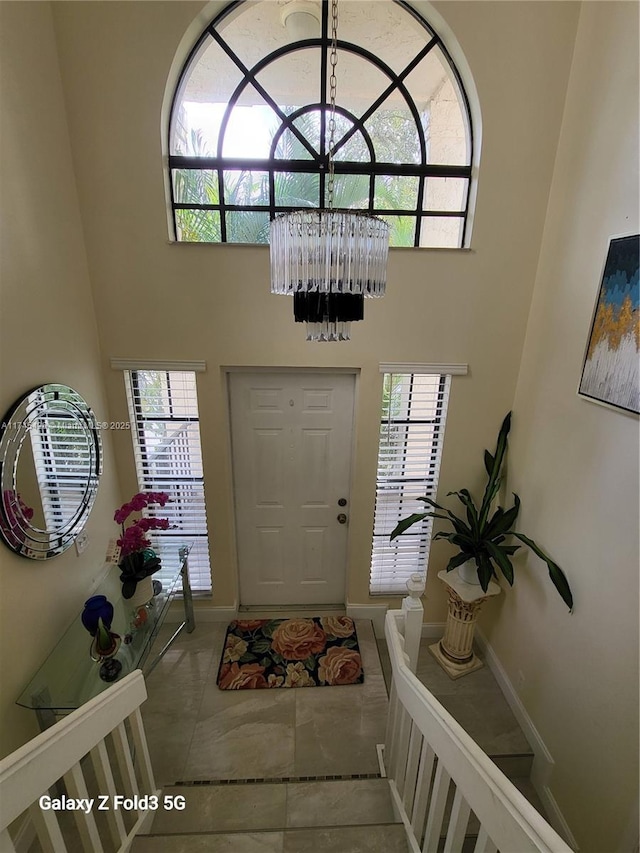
(504, 522)
(247, 657)
(493, 522)
(465, 543)
(498, 458)
(442, 534)
(457, 523)
(497, 554)
(438, 515)
(472, 514)
(485, 571)
(556, 574)
(456, 561)
(310, 663)
(407, 522)
(488, 462)
(431, 503)
(494, 491)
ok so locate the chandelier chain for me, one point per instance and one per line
(333, 61)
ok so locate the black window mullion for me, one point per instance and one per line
(379, 167)
(249, 77)
(317, 165)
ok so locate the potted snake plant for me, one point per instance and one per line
(481, 537)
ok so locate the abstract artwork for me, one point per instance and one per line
(611, 370)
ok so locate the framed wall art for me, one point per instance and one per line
(611, 368)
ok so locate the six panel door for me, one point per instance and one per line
(291, 451)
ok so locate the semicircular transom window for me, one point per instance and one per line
(249, 134)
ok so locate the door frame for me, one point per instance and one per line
(226, 371)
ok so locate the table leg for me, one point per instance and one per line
(187, 597)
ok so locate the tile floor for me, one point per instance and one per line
(475, 701)
(198, 732)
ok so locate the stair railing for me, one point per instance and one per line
(111, 719)
(438, 774)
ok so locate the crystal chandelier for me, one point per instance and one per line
(328, 259)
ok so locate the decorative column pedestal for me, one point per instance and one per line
(454, 652)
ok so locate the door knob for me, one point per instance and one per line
(342, 518)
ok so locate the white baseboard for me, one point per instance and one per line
(201, 614)
(375, 612)
(556, 818)
(432, 630)
(543, 762)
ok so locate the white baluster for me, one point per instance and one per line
(484, 844)
(47, 830)
(142, 752)
(107, 787)
(457, 824)
(423, 789)
(86, 823)
(436, 809)
(415, 745)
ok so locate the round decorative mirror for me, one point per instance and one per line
(50, 465)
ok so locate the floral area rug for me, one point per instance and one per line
(315, 652)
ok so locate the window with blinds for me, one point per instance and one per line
(163, 408)
(414, 409)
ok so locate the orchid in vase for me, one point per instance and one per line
(137, 559)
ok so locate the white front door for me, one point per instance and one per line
(291, 450)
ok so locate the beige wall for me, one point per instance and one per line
(575, 463)
(47, 334)
(156, 300)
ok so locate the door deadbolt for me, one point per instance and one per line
(342, 502)
(342, 518)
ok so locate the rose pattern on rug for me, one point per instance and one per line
(314, 652)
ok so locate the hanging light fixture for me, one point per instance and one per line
(329, 259)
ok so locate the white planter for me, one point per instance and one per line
(468, 572)
(143, 593)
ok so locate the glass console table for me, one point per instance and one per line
(69, 677)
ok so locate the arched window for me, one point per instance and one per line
(248, 132)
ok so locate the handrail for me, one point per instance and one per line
(426, 749)
(30, 771)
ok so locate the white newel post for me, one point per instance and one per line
(413, 613)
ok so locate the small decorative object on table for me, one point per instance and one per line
(103, 648)
(138, 561)
(97, 607)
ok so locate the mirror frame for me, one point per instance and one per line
(16, 531)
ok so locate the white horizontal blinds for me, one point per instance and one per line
(62, 460)
(414, 408)
(163, 407)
